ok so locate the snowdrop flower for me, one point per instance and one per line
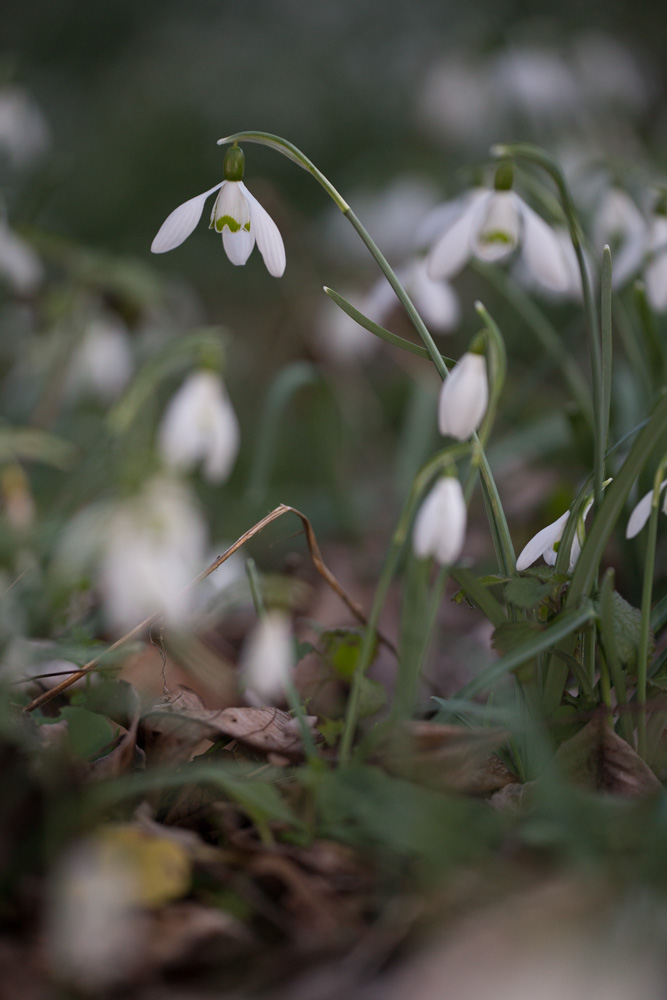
(24, 131)
(464, 397)
(620, 225)
(19, 264)
(103, 364)
(236, 214)
(268, 657)
(200, 426)
(642, 512)
(440, 525)
(655, 273)
(545, 542)
(142, 553)
(490, 226)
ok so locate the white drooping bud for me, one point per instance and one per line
(268, 657)
(440, 525)
(200, 425)
(464, 397)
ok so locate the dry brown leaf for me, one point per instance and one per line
(183, 719)
(597, 758)
(449, 756)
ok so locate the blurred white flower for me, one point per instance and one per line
(155, 544)
(24, 131)
(627, 87)
(268, 657)
(142, 552)
(619, 224)
(94, 933)
(200, 425)
(19, 264)
(464, 397)
(392, 214)
(655, 272)
(440, 525)
(102, 364)
(238, 216)
(435, 300)
(537, 81)
(490, 226)
(642, 511)
(455, 100)
(338, 338)
(545, 542)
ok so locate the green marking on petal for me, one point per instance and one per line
(247, 226)
(232, 224)
(497, 236)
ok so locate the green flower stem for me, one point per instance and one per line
(606, 342)
(542, 159)
(446, 457)
(499, 527)
(647, 596)
(544, 331)
(502, 540)
(611, 658)
(403, 297)
(652, 435)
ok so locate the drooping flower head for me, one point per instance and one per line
(642, 511)
(200, 425)
(440, 525)
(547, 541)
(464, 397)
(236, 215)
(490, 225)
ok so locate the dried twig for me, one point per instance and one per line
(277, 512)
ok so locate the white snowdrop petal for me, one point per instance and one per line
(641, 513)
(453, 249)
(436, 300)
(498, 228)
(268, 657)
(543, 253)
(463, 398)
(177, 227)
(267, 235)
(440, 524)
(238, 246)
(540, 543)
(200, 425)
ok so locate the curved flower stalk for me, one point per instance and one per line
(464, 397)
(642, 511)
(236, 214)
(440, 525)
(267, 658)
(545, 543)
(490, 226)
(200, 425)
(436, 300)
